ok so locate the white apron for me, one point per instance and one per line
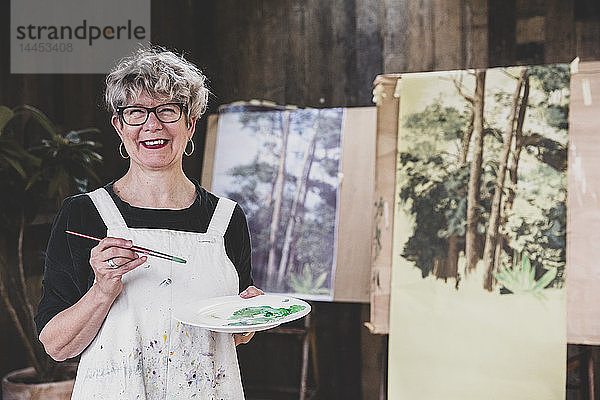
(141, 351)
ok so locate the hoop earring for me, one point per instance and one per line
(121, 150)
(191, 151)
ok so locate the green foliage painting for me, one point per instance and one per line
(482, 172)
(282, 166)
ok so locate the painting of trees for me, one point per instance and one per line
(482, 173)
(282, 165)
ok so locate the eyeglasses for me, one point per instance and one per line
(138, 115)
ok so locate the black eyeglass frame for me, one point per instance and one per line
(182, 108)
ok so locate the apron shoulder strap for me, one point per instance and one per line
(220, 219)
(107, 208)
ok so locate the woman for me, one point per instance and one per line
(111, 305)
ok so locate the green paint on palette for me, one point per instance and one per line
(249, 322)
(262, 314)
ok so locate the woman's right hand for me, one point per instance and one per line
(119, 252)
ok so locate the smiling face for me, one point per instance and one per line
(154, 145)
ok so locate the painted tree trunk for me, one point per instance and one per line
(278, 200)
(473, 190)
(512, 173)
(452, 261)
(516, 153)
(494, 221)
(271, 194)
(448, 268)
(301, 184)
(300, 217)
(466, 142)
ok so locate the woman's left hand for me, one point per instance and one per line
(251, 291)
(243, 338)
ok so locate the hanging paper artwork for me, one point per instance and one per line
(282, 167)
(478, 281)
(583, 217)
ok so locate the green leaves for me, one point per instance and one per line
(520, 278)
(6, 114)
(67, 161)
(38, 116)
(39, 163)
(307, 282)
(12, 154)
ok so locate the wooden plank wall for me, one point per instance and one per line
(314, 53)
(319, 54)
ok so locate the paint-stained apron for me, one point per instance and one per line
(141, 351)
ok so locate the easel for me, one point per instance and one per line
(307, 336)
(308, 340)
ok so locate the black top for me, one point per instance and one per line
(67, 272)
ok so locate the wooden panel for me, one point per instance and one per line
(475, 36)
(420, 35)
(271, 55)
(383, 202)
(320, 44)
(587, 10)
(434, 35)
(583, 217)
(210, 144)
(531, 29)
(394, 30)
(408, 36)
(369, 46)
(234, 32)
(447, 37)
(501, 32)
(588, 40)
(353, 258)
(343, 48)
(530, 8)
(560, 32)
(297, 76)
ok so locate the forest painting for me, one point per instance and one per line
(484, 174)
(282, 166)
(479, 269)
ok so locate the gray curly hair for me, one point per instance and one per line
(158, 73)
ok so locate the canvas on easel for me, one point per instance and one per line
(304, 179)
(478, 302)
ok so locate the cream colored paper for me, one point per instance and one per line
(470, 343)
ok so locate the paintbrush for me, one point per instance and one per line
(137, 249)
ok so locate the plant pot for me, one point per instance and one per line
(13, 389)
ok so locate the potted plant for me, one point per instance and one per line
(39, 167)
